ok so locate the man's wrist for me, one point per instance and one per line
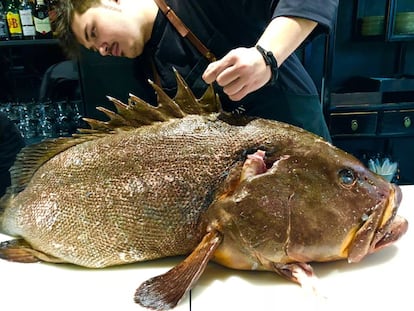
(271, 61)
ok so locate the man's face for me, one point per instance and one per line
(110, 30)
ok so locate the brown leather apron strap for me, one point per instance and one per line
(184, 31)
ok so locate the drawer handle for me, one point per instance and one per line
(354, 125)
(407, 122)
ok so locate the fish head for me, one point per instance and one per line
(306, 202)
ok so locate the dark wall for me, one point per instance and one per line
(22, 68)
(113, 76)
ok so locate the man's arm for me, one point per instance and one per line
(284, 35)
(243, 70)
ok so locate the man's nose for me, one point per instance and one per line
(104, 49)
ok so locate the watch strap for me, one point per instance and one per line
(271, 61)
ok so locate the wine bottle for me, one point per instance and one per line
(26, 17)
(13, 20)
(42, 21)
(4, 28)
(52, 15)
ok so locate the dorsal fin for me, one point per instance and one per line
(34, 156)
(138, 112)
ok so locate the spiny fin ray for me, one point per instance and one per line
(138, 112)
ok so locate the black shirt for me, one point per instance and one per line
(225, 25)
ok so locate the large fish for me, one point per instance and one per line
(185, 179)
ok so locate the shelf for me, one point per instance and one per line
(12, 43)
(381, 84)
(387, 20)
(371, 107)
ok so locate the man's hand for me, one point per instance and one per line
(240, 72)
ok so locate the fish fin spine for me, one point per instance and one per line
(138, 112)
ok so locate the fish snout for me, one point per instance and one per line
(381, 228)
(394, 225)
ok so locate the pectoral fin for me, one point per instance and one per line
(300, 273)
(163, 292)
(20, 251)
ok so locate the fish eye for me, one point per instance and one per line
(347, 176)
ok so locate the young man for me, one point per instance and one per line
(255, 71)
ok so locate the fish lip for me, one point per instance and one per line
(396, 226)
(381, 229)
(397, 229)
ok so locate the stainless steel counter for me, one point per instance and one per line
(382, 281)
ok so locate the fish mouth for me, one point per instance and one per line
(396, 230)
(396, 226)
(382, 228)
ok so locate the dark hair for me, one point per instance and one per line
(65, 11)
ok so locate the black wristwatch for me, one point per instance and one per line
(271, 61)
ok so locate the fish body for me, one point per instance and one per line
(127, 202)
(183, 179)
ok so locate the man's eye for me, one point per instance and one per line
(93, 32)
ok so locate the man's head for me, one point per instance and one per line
(65, 12)
(110, 27)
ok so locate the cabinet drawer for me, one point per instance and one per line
(345, 123)
(399, 122)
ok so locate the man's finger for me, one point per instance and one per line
(211, 72)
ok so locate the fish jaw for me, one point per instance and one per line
(381, 229)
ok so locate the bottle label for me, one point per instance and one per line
(28, 30)
(13, 20)
(3, 28)
(26, 17)
(42, 25)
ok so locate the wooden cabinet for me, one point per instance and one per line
(397, 122)
(368, 94)
(371, 130)
(353, 123)
(383, 130)
(389, 20)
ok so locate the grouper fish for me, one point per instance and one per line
(185, 178)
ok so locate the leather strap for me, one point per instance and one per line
(184, 31)
(271, 61)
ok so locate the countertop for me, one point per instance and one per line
(381, 281)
